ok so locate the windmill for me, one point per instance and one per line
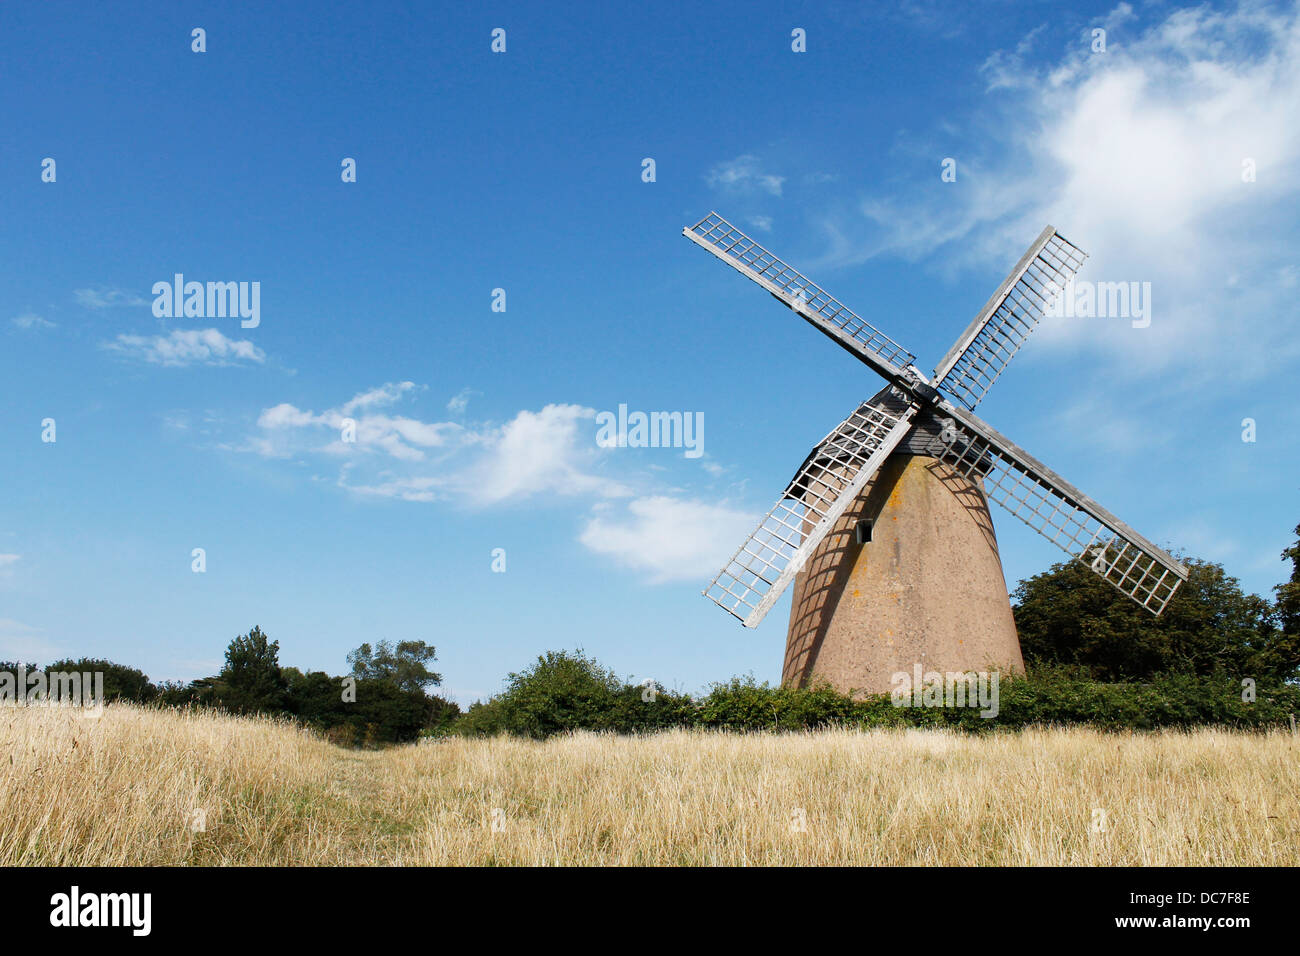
(884, 529)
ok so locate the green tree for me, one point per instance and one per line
(14, 667)
(252, 679)
(376, 712)
(120, 682)
(1069, 615)
(384, 712)
(315, 698)
(404, 664)
(1287, 610)
(443, 715)
(204, 691)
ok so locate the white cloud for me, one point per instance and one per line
(669, 538)
(1006, 69)
(30, 320)
(187, 347)
(107, 298)
(1136, 155)
(761, 222)
(460, 401)
(540, 452)
(550, 453)
(383, 395)
(285, 415)
(407, 489)
(743, 174)
(8, 561)
(398, 437)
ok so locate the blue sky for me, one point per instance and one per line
(522, 171)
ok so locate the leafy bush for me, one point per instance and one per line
(565, 692)
(742, 704)
(1057, 695)
(442, 715)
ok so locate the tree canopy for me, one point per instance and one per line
(252, 679)
(1068, 615)
(1288, 594)
(120, 681)
(404, 664)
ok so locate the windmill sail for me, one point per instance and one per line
(1059, 512)
(981, 353)
(801, 294)
(909, 418)
(830, 479)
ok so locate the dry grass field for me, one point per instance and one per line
(142, 787)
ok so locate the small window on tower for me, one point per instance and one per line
(863, 533)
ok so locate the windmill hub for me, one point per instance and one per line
(926, 393)
(884, 529)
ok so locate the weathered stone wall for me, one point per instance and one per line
(928, 588)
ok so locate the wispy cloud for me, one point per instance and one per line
(550, 454)
(352, 430)
(460, 401)
(1006, 68)
(416, 488)
(744, 174)
(1136, 154)
(668, 538)
(541, 451)
(187, 347)
(550, 451)
(387, 394)
(107, 298)
(32, 321)
(1110, 422)
(1209, 538)
(546, 453)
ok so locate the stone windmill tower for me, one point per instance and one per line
(885, 530)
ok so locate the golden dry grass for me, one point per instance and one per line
(123, 789)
